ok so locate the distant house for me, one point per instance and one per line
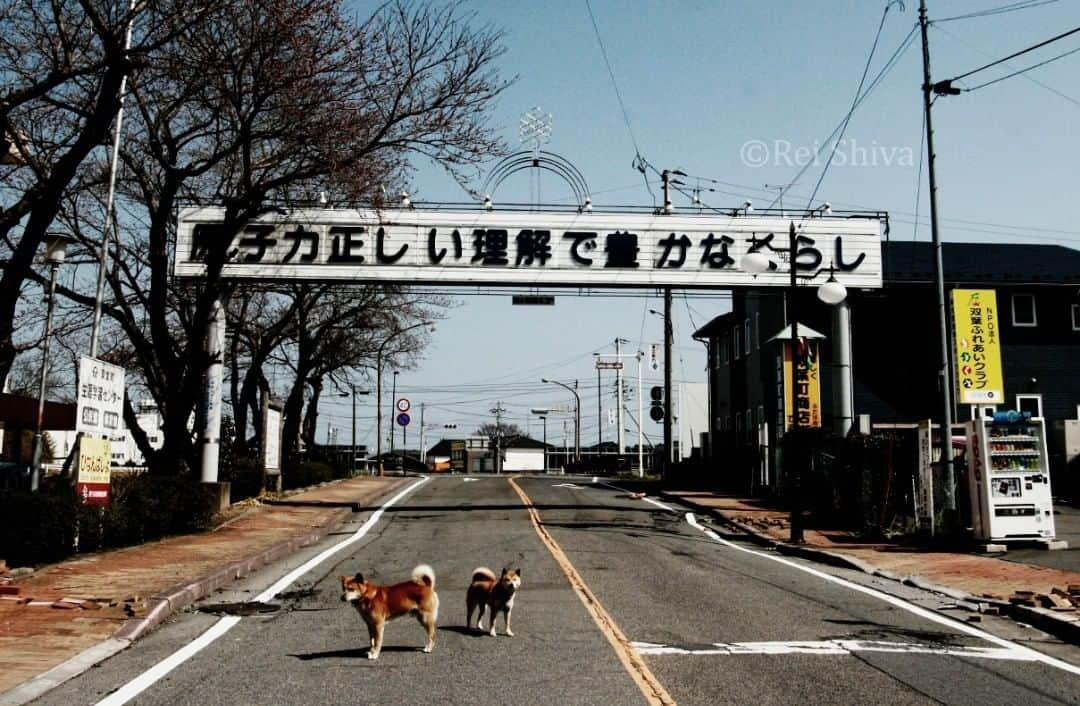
(474, 455)
(896, 348)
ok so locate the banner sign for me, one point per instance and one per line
(807, 387)
(534, 248)
(925, 496)
(271, 435)
(100, 406)
(978, 347)
(95, 465)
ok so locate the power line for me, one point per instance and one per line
(854, 103)
(1013, 7)
(1032, 79)
(1016, 54)
(1021, 71)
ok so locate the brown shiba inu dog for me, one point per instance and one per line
(378, 604)
(497, 594)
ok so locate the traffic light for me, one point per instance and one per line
(449, 426)
(656, 403)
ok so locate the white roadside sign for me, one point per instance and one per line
(100, 405)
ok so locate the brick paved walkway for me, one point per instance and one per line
(105, 591)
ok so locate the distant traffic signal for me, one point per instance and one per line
(449, 426)
(656, 403)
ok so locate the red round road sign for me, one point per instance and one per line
(403, 404)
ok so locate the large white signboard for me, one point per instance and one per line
(533, 248)
(100, 405)
(272, 435)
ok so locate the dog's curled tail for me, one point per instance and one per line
(483, 573)
(424, 574)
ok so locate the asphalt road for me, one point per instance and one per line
(712, 620)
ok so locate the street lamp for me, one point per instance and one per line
(831, 292)
(352, 393)
(577, 415)
(55, 253)
(378, 386)
(393, 402)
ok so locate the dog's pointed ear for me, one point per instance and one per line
(504, 571)
(359, 578)
(518, 571)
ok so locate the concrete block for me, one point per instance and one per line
(220, 491)
(1052, 544)
(992, 548)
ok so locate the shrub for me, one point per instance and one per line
(305, 473)
(53, 523)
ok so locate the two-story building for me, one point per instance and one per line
(895, 349)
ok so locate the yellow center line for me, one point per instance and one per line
(646, 681)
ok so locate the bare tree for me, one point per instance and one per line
(257, 108)
(62, 63)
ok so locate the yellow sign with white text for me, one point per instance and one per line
(807, 387)
(977, 335)
(95, 466)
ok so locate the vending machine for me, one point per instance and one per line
(1009, 478)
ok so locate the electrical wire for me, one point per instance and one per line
(1032, 79)
(1012, 7)
(1022, 71)
(1032, 48)
(854, 103)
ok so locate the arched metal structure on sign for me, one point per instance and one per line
(539, 159)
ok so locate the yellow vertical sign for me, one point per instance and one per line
(978, 346)
(806, 389)
(95, 466)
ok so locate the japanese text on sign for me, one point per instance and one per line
(978, 347)
(534, 247)
(100, 404)
(806, 386)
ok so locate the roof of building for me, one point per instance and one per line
(990, 263)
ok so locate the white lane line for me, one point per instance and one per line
(831, 647)
(145, 680)
(956, 625)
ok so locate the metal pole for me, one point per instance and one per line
(577, 423)
(842, 385)
(35, 458)
(393, 401)
(599, 413)
(378, 407)
(352, 457)
(939, 279)
(95, 330)
(619, 396)
(211, 427)
(794, 458)
(640, 419)
(543, 418)
(669, 447)
(423, 449)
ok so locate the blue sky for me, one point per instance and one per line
(730, 93)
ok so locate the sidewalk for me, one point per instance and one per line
(1036, 595)
(63, 610)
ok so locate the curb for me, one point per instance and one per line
(165, 604)
(1066, 629)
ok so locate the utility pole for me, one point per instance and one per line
(599, 414)
(423, 446)
(498, 410)
(669, 450)
(619, 395)
(939, 277)
(795, 455)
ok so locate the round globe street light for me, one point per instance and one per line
(55, 254)
(831, 292)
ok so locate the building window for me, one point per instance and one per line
(1076, 317)
(1030, 403)
(746, 337)
(735, 348)
(1023, 310)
